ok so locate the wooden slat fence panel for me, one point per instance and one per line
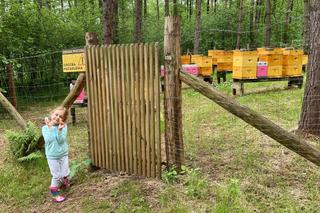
(123, 84)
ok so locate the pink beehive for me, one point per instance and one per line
(262, 69)
(80, 98)
(189, 68)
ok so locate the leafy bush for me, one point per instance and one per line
(170, 175)
(24, 144)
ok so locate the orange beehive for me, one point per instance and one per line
(272, 56)
(292, 71)
(274, 71)
(224, 61)
(244, 72)
(205, 71)
(205, 66)
(196, 59)
(186, 59)
(215, 54)
(292, 57)
(245, 58)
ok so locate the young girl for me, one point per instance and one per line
(56, 149)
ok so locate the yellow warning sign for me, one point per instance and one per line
(73, 60)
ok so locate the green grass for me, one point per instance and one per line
(231, 167)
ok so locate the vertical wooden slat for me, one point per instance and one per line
(95, 105)
(115, 99)
(97, 101)
(134, 93)
(138, 111)
(147, 108)
(107, 119)
(119, 104)
(152, 108)
(157, 105)
(128, 111)
(90, 96)
(100, 107)
(112, 107)
(123, 109)
(142, 111)
(103, 107)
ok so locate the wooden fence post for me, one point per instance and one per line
(91, 39)
(172, 93)
(12, 86)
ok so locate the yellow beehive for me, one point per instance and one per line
(272, 59)
(245, 58)
(185, 59)
(274, 71)
(289, 71)
(292, 57)
(215, 54)
(304, 59)
(224, 66)
(205, 71)
(225, 57)
(243, 72)
(206, 62)
(196, 59)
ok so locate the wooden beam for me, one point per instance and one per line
(291, 141)
(12, 111)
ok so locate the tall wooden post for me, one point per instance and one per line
(91, 39)
(12, 86)
(172, 92)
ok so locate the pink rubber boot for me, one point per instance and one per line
(56, 197)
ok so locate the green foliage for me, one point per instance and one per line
(25, 142)
(196, 185)
(229, 200)
(170, 175)
(31, 157)
(76, 166)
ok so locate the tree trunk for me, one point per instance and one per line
(158, 11)
(172, 93)
(61, 5)
(115, 25)
(108, 21)
(166, 8)
(145, 9)
(286, 22)
(251, 25)
(240, 18)
(197, 31)
(138, 21)
(267, 37)
(208, 6)
(253, 118)
(310, 112)
(175, 8)
(306, 29)
(12, 111)
(258, 12)
(215, 5)
(190, 9)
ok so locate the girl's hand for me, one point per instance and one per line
(61, 125)
(47, 121)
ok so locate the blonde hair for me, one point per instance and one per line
(65, 112)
